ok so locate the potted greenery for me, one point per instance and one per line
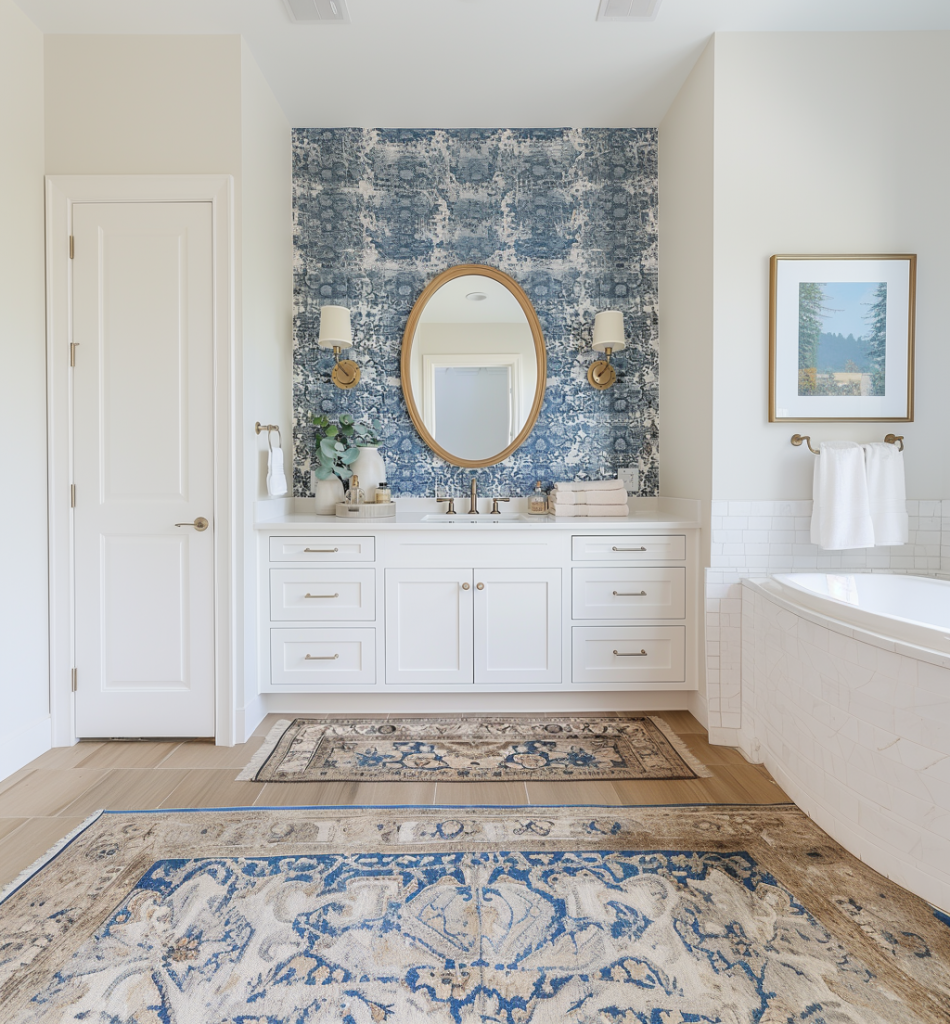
(333, 456)
(339, 451)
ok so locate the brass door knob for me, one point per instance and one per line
(479, 586)
(466, 586)
(200, 524)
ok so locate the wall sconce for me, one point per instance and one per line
(608, 338)
(336, 333)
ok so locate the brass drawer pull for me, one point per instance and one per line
(479, 586)
(618, 593)
(315, 596)
(321, 657)
(320, 551)
(627, 549)
(642, 654)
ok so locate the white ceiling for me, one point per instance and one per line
(479, 63)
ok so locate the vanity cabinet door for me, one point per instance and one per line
(428, 627)
(517, 620)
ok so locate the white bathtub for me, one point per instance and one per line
(846, 698)
(906, 609)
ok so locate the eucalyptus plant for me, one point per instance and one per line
(337, 445)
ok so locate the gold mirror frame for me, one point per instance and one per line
(539, 350)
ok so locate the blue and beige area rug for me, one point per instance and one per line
(542, 749)
(478, 916)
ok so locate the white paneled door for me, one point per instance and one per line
(143, 466)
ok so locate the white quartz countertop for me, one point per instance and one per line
(409, 518)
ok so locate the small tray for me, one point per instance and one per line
(368, 510)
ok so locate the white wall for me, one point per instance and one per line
(143, 104)
(686, 289)
(825, 142)
(267, 302)
(24, 597)
(686, 302)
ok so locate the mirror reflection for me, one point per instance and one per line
(474, 368)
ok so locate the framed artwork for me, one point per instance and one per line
(841, 338)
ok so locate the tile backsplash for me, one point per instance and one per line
(761, 538)
(569, 213)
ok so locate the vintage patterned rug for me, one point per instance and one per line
(542, 749)
(595, 915)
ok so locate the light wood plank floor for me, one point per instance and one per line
(52, 795)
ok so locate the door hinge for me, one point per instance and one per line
(73, 676)
(72, 495)
(72, 247)
(73, 345)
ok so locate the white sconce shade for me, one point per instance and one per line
(608, 331)
(335, 328)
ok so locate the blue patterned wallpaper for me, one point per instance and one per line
(569, 213)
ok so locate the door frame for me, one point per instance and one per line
(63, 192)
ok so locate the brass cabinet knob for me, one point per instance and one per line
(479, 586)
(466, 586)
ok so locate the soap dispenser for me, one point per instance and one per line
(538, 502)
(354, 494)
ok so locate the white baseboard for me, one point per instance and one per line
(471, 703)
(249, 718)
(21, 746)
(696, 706)
(724, 737)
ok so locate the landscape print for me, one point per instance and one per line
(842, 338)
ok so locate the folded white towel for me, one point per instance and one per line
(590, 485)
(886, 493)
(276, 479)
(615, 497)
(589, 510)
(841, 516)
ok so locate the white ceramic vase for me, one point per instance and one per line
(326, 494)
(371, 470)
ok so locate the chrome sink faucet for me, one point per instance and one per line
(473, 508)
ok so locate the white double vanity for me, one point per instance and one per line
(437, 601)
(427, 602)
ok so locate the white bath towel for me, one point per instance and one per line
(276, 479)
(617, 496)
(886, 493)
(841, 516)
(589, 485)
(589, 510)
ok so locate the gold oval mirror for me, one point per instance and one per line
(473, 365)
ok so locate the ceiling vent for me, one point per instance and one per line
(628, 10)
(322, 12)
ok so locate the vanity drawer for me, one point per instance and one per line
(324, 595)
(323, 657)
(629, 654)
(322, 549)
(620, 593)
(627, 548)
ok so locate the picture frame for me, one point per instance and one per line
(841, 338)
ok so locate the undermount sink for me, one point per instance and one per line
(485, 519)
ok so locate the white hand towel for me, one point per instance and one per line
(614, 497)
(276, 480)
(886, 493)
(841, 516)
(589, 485)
